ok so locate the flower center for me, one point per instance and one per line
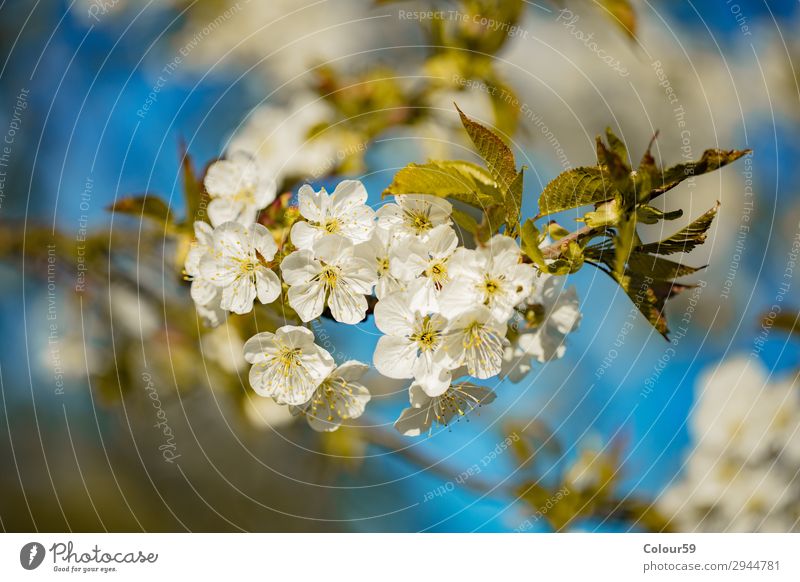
(491, 286)
(383, 265)
(332, 225)
(473, 336)
(437, 272)
(331, 397)
(288, 359)
(418, 221)
(330, 275)
(535, 315)
(248, 266)
(246, 195)
(426, 336)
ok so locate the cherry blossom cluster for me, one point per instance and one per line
(449, 315)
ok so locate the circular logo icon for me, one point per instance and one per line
(31, 555)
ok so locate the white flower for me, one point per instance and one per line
(340, 396)
(414, 215)
(381, 250)
(239, 188)
(330, 272)
(412, 345)
(344, 213)
(516, 361)
(743, 414)
(492, 275)
(278, 138)
(718, 494)
(207, 296)
(236, 264)
(551, 312)
(455, 402)
(557, 314)
(475, 339)
(287, 364)
(742, 473)
(424, 266)
(224, 346)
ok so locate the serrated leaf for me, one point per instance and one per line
(617, 146)
(710, 161)
(146, 206)
(459, 180)
(613, 159)
(513, 203)
(658, 267)
(685, 239)
(575, 188)
(494, 151)
(650, 296)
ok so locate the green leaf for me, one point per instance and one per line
(617, 146)
(710, 160)
(465, 221)
(459, 180)
(606, 214)
(146, 206)
(624, 241)
(649, 215)
(657, 267)
(494, 151)
(556, 231)
(685, 239)
(575, 188)
(493, 220)
(513, 203)
(650, 296)
(530, 239)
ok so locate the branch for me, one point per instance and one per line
(554, 250)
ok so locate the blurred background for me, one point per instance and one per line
(121, 413)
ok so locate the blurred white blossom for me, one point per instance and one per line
(742, 472)
(239, 188)
(279, 139)
(548, 315)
